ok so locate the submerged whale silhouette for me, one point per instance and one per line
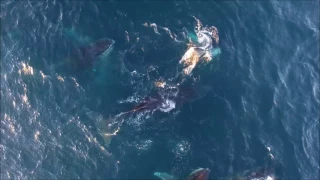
(85, 56)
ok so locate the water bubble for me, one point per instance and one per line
(182, 148)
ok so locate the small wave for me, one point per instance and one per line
(130, 100)
(165, 30)
(143, 144)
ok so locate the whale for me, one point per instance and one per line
(169, 101)
(83, 52)
(202, 47)
(203, 174)
(84, 57)
(150, 103)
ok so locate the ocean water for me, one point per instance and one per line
(256, 105)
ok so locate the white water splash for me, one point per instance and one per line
(167, 105)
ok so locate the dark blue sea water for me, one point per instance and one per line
(254, 106)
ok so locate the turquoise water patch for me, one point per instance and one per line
(193, 37)
(75, 36)
(215, 52)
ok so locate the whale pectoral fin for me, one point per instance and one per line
(199, 24)
(164, 176)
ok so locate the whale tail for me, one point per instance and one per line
(110, 127)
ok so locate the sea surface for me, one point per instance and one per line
(254, 106)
